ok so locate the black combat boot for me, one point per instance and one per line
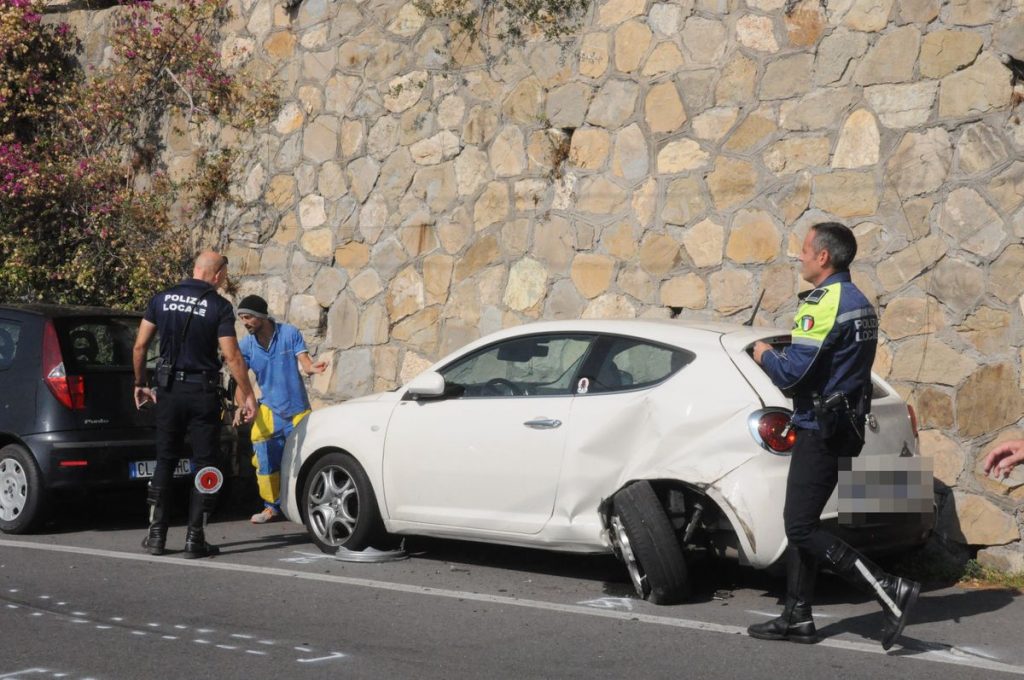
(158, 500)
(199, 510)
(797, 622)
(895, 594)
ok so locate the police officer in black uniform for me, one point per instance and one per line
(193, 322)
(827, 369)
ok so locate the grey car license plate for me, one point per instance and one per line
(144, 469)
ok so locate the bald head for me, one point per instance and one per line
(210, 267)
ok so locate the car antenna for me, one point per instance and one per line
(750, 321)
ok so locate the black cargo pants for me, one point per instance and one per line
(186, 407)
(813, 474)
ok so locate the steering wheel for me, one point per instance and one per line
(6, 347)
(502, 387)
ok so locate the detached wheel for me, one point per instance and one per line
(644, 540)
(22, 497)
(340, 506)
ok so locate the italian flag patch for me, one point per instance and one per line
(806, 323)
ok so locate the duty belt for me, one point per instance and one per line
(201, 377)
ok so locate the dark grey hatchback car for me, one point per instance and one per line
(67, 419)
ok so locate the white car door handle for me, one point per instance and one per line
(543, 423)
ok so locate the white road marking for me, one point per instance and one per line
(230, 647)
(168, 637)
(241, 636)
(12, 606)
(772, 615)
(27, 670)
(609, 603)
(180, 627)
(139, 632)
(79, 614)
(953, 656)
(37, 613)
(153, 625)
(201, 642)
(333, 655)
(302, 649)
(257, 652)
(99, 627)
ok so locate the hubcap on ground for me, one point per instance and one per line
(13, 489)
(333, 506)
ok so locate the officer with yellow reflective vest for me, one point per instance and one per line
(827, 370)
(274, 351)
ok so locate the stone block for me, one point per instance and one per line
(684, 198)
(836, 54)
(846, 194)
(943, 52)
(921, 162)
(592, 274)
(925, 359)
(978, 89)
(731, 183)
(757, 33)
(632, 40)
(989, 400)
(610, 306)
(688, 291)
(704, 40)
(859, 140)
(665, 58)
(892, 59)
(663, 109)
(979, 521)
(906, 316)
(630, 156)
(1008, 559)
(613, 104)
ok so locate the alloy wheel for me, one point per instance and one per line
(621, 542)
(333, 505)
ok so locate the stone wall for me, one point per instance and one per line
(669, 163)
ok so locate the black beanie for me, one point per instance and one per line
(253, 305)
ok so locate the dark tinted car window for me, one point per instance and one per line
(630, 364)
(96, 345)
(10, 331)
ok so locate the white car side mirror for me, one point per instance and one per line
(429, 384)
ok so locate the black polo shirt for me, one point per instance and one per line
(212, 318)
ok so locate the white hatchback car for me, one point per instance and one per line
(644, 438)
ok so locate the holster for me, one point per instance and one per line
(162, 374)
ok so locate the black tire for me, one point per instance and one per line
(22, 496)
(645, 542)
(339, 506)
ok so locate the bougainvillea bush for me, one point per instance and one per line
(88, 215)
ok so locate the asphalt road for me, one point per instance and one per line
(81, 600)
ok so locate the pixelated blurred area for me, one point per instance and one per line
(877, 489)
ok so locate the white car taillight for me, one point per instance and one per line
(772, 430)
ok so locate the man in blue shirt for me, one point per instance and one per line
(274, 351)
(827, 369)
